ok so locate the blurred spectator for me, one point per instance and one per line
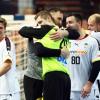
(29, 11)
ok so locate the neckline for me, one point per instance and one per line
(84, 37)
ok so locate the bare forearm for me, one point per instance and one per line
(5, 68)
(86, 89)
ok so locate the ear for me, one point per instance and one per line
(98, 27)
(80, 23)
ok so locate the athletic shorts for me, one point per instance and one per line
(56, 86)
(33, 88)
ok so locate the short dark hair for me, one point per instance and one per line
(3, 21)
(78, 17)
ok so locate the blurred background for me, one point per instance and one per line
(21, 12)
(85, 7)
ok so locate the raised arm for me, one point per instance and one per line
(30, 32)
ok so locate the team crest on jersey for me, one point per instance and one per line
(85, 45)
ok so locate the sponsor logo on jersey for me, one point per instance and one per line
(80, 52)
(62, 60)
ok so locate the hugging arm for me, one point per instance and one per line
(42, 51)
(38, 33)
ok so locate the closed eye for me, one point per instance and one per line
(40, 22)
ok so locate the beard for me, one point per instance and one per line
(2, 32)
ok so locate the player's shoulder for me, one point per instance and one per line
(11, 42)
(96, 35)
(92, 40)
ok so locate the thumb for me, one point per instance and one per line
(56, 28)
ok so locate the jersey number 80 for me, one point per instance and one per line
(75, 60)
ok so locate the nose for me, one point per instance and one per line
(67, 25)
(89, 28)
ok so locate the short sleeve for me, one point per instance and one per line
(95, 51)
